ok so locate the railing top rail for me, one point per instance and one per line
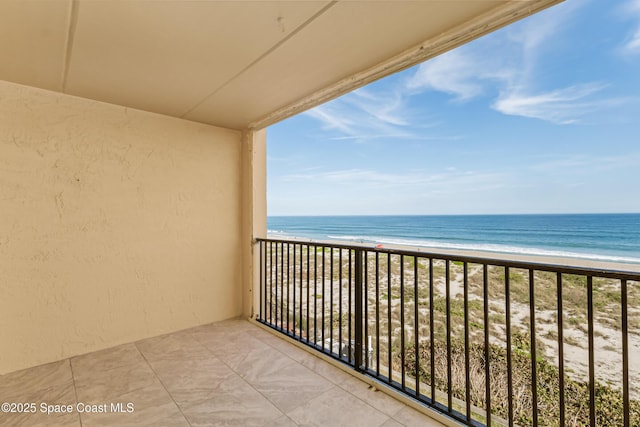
(425, 253)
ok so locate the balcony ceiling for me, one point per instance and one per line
(234, 64)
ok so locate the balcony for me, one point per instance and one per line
(226, 373)
(133, 184)
(482, 341)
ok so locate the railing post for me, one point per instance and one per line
(358, 314)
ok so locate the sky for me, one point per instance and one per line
(542, 116)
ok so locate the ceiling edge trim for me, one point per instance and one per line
(482, 25)
(71, 31)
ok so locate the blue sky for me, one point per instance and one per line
(542, 116)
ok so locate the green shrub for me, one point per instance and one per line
(609, 401)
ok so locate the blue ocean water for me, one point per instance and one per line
(605, 237)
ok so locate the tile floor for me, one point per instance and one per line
(230, 373)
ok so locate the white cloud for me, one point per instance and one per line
(587, 164)
(367, 114)
(504, 66)
(388, 108)
(331, 120)
(453, 73)
(361, 176)
(561, 106)
(508, 63)
(632, 44)
(411, 182)
(499, 64)
(366, 191)
(505, 58)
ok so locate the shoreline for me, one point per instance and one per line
(561, 261)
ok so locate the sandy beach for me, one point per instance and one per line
(467, 253)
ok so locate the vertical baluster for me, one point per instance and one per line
(323, 292)
(625, 353)
(288, 287)
(349, 312)
(315, 292)
(447, 285)
(301, 280)
(365, 293)
(416, 325)
(331, 301)
(467, 372)
(507, 296)
(560, 347)
(377, 313)
(340, 345)
(308, 286)
(592, 379)
(487, 354)
(534, 370)
(261, 254)
(358, 285)
(274, 284)
(402, 330)
(293, 289)
(431, 322)
(281, 285)
(390, 349)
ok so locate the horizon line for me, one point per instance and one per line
(455, 214)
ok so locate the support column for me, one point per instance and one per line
(254, 213)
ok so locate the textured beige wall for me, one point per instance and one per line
(115, 225)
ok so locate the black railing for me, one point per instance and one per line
(484, 341)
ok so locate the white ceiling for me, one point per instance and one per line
(229, 63)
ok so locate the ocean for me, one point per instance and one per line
(602, 237)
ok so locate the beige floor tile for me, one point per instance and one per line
(100, 386)
(213, 331)
(104, 360)
(391, 423)
(218, 339)
(179, 345)
(409, 417)
(254, 361)
(240, 352)
(336, 407)
(56, 395)
(283, 421)
(235, 325)
(150, 406)
(325, 369)
(371, 395)
(259, 331)
(192, 380)
(232, 403)
(40, 420)
(281, 345)
(226, 373)
(289, 386)
(195, 365)
(203, 329)
(27, 381)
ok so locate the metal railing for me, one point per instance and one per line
(484, 341)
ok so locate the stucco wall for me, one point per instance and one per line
(115, 225)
